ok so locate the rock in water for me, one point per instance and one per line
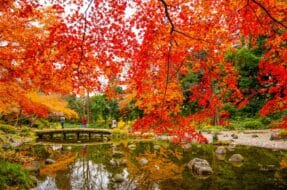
(156, 147)
(200, 167)
(132, 146)
(49, 161)
(236, 158)
(220, 150)
(143, 161)
(118, 154)
(119, 178)
(231, 147)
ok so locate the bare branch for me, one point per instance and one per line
(269, 14)
(168, 16)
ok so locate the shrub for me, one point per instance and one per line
(8, 129)
(266, 120)
(13, 175)
(41, 123)
(283, 134)
(249, 123)
(25, 131)
(119, 133)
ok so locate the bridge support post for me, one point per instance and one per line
(63, 136)
(90, 136)
(78, 135)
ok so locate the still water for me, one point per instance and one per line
(157, 165)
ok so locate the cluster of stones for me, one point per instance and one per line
(201, 168)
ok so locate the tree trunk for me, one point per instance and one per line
(216, 117)
(88, 108)
(18, 119)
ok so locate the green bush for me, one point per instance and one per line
(252, 124)
(283, 134)
(13, 175)
(266, 120)
(8, 129)
(249, 123)
(41, 123)
(25, 131)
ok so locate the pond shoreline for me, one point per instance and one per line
(256, 138)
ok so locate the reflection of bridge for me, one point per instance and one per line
(73, 134)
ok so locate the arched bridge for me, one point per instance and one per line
(73, 134)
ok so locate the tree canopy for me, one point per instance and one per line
(148, 47)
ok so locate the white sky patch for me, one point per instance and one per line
(130, 10)
(58, 65)
(4, 43)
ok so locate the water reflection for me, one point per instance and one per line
(145, 165)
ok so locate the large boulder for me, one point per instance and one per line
(200, 167)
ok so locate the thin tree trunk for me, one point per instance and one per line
(216, 117)
(88, 108)
(18, 119)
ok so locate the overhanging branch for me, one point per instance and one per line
(269, 14)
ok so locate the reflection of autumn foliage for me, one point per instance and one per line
(60, 164)
(159, 167)
(283, 163)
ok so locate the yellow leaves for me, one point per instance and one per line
(127, 99)
(53, 103)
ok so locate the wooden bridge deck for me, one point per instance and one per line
(49, 134)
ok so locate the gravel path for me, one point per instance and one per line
(247, 138)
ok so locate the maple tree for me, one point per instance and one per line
(148, 47)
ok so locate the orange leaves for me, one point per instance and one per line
(61, 164)
(159, 167)
(154, 46)
(52, 103)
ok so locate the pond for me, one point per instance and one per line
(157, 165)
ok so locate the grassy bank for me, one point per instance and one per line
(12, 174)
